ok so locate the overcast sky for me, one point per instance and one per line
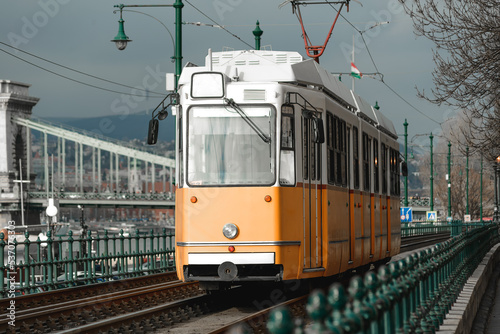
(77, 34)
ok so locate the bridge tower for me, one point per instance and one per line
(14, 101)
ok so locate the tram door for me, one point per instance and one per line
(312, 195)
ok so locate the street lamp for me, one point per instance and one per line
(405, 124)
(121, 39)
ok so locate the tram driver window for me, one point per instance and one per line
(287, 155)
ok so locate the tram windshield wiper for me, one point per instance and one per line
(258, 131)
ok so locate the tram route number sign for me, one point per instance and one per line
(406, 214)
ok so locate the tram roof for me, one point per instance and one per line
(285, 66)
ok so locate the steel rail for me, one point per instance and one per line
(77, 292)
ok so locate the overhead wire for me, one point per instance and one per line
(219, 25)
(68, 78)
(382, 76)
(72, 69)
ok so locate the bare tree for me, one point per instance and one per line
(467, 58)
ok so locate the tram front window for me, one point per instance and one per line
(224, 149)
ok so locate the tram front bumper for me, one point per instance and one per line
(232, 267)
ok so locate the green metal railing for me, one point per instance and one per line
(65, 261)
(169, 196)
(430, 227)
(410, 295)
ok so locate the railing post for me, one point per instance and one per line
(434, 288)
(99, 263)
(317, 310)
(165, 252)
(398, 305)
(376, 304)
(337, 300)
(388, 297)
(406, 289)
(122, 252)
(151, 259)
(50, 260)
(26, 262)
(280, 321)
(137, 257)
(89, 261)
(69, 271)
(106, 255)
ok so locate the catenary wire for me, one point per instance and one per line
(382, 76)
(220, 25)
(68, 78)
(74, 70)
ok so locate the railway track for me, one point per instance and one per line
(161, 304)
(424, 240)
(78, 292)
(78, 312)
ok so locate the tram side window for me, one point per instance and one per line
(375, 166)
(394, 169)
(312, 154)
(340, 150)
(383, 158)
(398, 185)
(287, 159)
(330, 129)
(355, 155)
(366, 161)
(391, 170)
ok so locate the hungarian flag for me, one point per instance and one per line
(355, 72)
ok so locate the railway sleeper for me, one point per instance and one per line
(52, 323)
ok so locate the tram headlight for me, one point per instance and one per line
(230, 231)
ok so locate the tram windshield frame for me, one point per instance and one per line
(224, 150)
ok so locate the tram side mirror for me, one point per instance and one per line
(153, 131)
(318, 131)
(404, 168)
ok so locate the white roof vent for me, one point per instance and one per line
(254, 94)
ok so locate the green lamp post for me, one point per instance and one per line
(481, 192)
(257, 33)
(449, 179)
(467, 181)
(431, 137)
(121, 39)
(405, 124)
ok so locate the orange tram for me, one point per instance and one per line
(283, 172)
